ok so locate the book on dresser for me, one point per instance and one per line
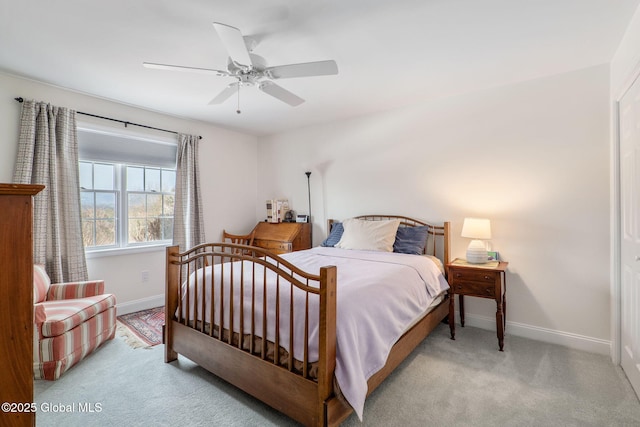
(282, 237)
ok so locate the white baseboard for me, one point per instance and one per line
(567, 339)
(139, 304)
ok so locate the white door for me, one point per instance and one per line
(630, 234)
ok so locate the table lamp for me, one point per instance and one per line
(478, 229)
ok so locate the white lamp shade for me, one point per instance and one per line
(476, 228)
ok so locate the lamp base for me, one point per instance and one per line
(477, 252)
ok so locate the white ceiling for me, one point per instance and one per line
(389, 53)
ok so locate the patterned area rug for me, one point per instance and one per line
(142, 328)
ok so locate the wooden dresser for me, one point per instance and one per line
(282, 237)
(16, 304)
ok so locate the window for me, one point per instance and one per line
(98, 204)
(127, 190)
(119, 197)
(150, 196)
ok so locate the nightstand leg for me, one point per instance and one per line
(461, 304)
(452, 317)
(504, 308)
(500, 325)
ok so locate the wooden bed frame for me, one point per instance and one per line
(312, 402)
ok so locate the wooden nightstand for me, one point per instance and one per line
(478, 280)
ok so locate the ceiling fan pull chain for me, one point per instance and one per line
(239, 84)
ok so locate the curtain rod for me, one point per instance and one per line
(20, 99)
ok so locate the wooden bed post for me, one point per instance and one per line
(327, 344)
(446, 256)
(170, 302)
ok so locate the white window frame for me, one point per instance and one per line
(122, 245)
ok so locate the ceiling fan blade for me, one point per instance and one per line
(181, 68)
(281, 93)
(234, 44)
(306, 69)
(225, 94)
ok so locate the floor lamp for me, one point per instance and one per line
(309, 197)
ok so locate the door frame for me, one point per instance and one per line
(616, 214)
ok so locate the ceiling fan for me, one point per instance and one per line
(251, 70)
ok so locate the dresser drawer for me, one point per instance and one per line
(274, 245)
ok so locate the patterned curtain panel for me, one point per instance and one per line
(48, 155)
(188, 221)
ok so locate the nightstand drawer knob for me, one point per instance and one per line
(487, 277)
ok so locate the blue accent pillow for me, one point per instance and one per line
(411, 240)
(334, 237)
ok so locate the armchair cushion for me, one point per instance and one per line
(64, 315)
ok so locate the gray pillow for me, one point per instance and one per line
(411, 240)
(334, 236)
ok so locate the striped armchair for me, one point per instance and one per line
(71, 320)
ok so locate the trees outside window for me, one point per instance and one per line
(125, 205)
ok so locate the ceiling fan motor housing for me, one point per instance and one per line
(248, 76)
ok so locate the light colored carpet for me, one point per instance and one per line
(466, 382)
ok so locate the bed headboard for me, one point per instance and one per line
(438, 236)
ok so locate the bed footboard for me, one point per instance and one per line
(256, 321)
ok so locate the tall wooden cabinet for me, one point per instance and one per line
(16, 303)
(282, 237)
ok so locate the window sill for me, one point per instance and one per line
(125, 251)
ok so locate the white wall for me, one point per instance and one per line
(532, 157)
(627, 58)
(229, 193)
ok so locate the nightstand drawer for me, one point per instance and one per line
(474, 288)
(478, 276)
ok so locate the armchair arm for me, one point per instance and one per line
(39, 315)
(70, 290)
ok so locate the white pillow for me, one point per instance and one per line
(369, 235)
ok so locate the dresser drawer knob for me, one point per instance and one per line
(487, 277)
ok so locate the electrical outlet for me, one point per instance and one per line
(145, 276)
